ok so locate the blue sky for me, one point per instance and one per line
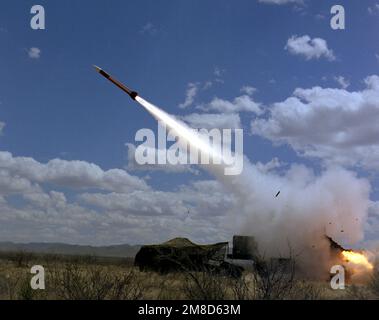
(54, 106)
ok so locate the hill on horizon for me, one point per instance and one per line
(117, 251)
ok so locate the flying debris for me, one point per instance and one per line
(277, 194)
(124, 88)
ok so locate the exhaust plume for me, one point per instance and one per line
(334, 203)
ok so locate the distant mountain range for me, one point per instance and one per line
(122, 250)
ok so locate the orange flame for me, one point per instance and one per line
(357, 258)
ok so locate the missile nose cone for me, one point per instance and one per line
(98, 69)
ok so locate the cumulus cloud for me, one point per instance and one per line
(344, 83)
(335, 125)
(102, 208)
(213, 120)
(2, 125)
(201, 198)
(249, 90)
(242, 103)
(192, 90)
(309, 48)
(14, 184)
(34, 53)
(167, 168)
(374, 9)
(74, 174)
(204, 210)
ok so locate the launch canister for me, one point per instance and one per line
(124, 88)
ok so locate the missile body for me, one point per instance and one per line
(124, 88)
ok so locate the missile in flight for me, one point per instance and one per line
(124, 88)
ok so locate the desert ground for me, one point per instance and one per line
(95, 278)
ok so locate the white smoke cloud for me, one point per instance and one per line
(334, 203)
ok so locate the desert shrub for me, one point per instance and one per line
(305, 290)
(274, 279)
(374, 283)
(24, 290)
(76, 282)
(240, 288)
(359, 292)
(8, 286)
(3, 286)
(204, 285)
(126, 287)
(21, 258)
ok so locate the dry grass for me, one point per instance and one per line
(90, 278)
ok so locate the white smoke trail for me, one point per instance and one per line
(192, 138)
(309, 206)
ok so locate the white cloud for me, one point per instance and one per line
(14, 184)
(204, 210)
(204, 198)
(344, 83)
(280, 2)
(149, 28)
(242, 103)
(213, 120)
(335, 125)
(320, 16)
(373, 10)
(74, 174)
(218, 72)
(315, 48)
(249, 90)
(113, 208)
(34, 53)
(273, 164)
(167, 168)
(192, 90)
(2, 125)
